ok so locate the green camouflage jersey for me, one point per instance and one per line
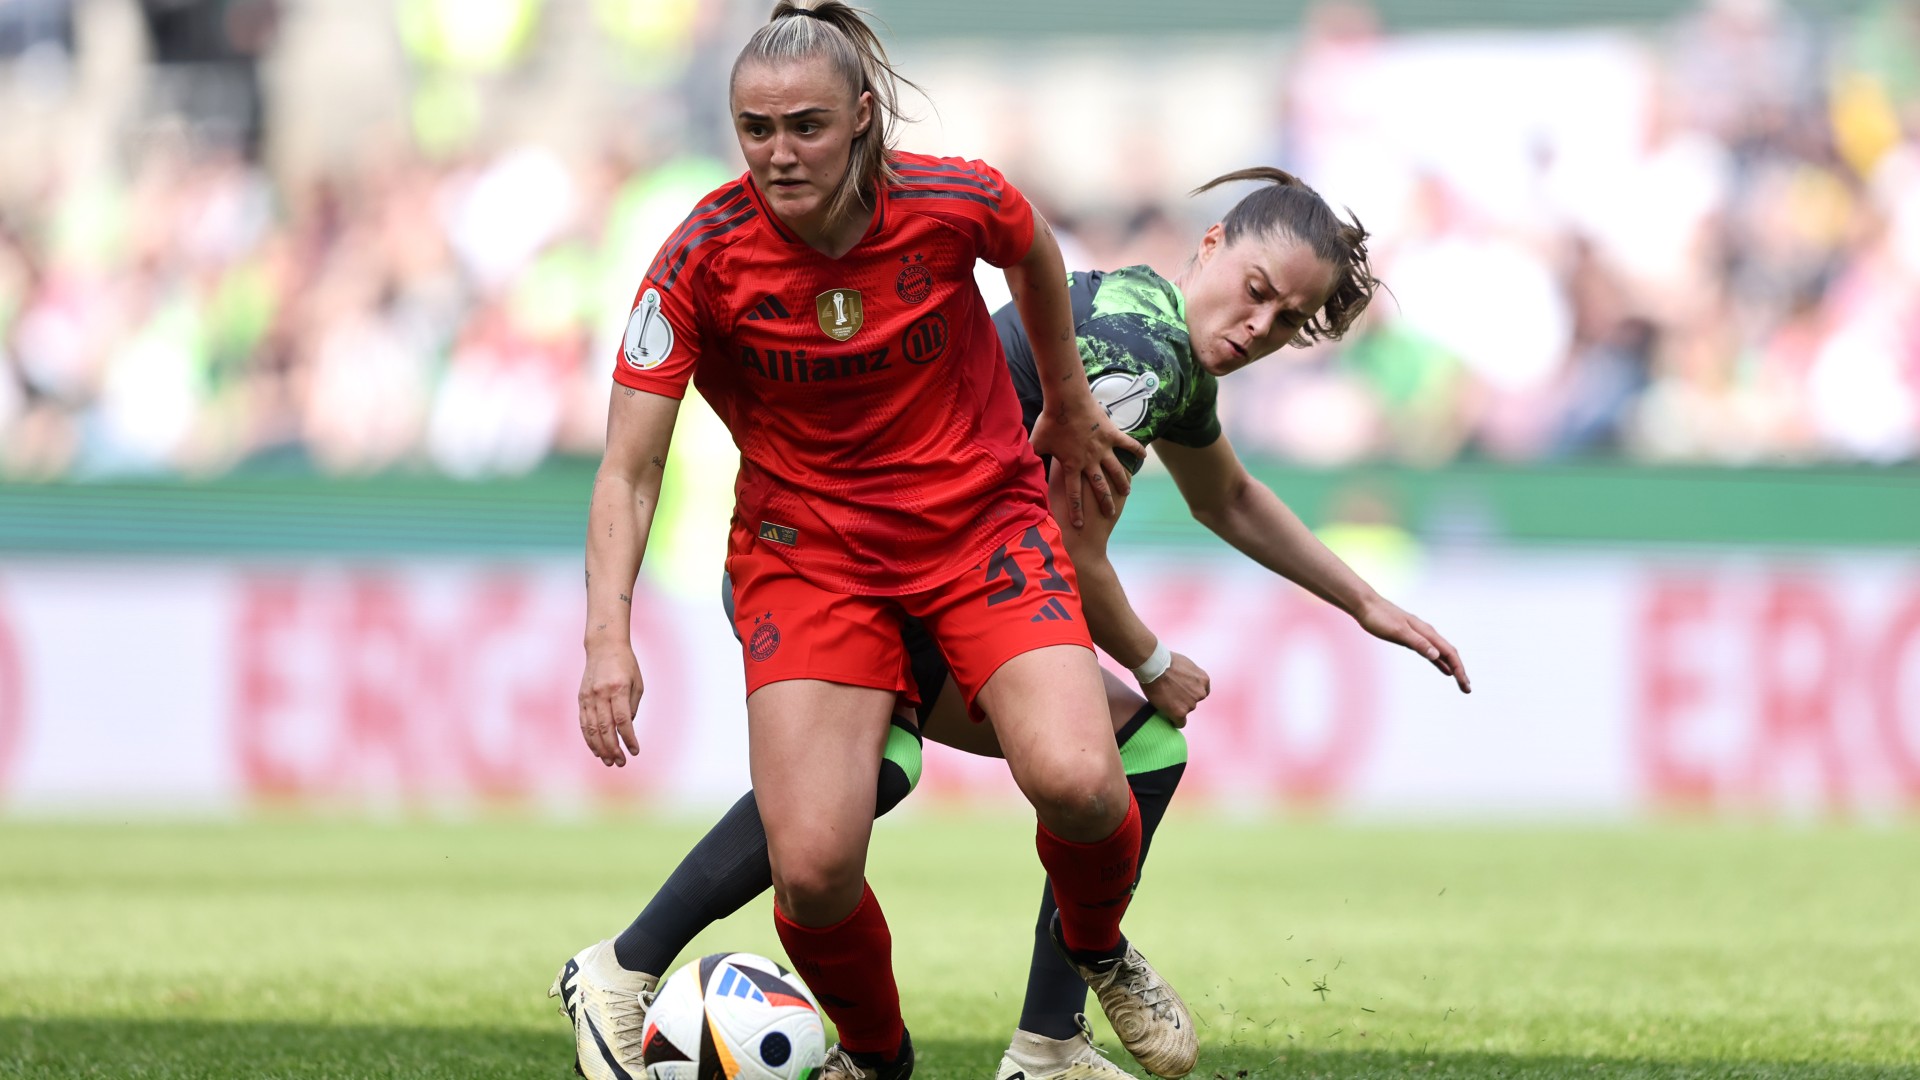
(1132, 326)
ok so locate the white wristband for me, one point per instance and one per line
(1156, 665)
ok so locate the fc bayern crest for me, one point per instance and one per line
(1125, 396)
(914, 284)
(765, 639)
(649, 335)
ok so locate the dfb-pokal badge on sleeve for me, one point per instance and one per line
(649, 335)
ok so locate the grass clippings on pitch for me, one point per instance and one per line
(280, 950)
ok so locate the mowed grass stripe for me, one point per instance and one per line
(332, 949)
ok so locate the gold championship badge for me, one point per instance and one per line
(840, 312)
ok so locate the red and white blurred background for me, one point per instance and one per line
(362, 238)
(1605, 686)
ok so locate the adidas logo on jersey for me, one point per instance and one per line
(770, 308)
(1052, 611)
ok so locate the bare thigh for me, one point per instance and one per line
(1049, 713)
(815, 751)
(948, 724)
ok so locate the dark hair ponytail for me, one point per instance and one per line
(1287, 207)
(800, 29)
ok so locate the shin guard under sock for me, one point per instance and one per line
(728, 867)
(1155, 755)
(849, 967)
(1093, 882)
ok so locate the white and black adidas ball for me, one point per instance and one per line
(733, 1016)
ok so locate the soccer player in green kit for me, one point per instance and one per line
(1280, 269)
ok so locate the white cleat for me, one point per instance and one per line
(1146, 1013)
(608, 1007)
(842, 1065)
(1036, 1057)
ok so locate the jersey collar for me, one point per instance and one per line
(880, 214)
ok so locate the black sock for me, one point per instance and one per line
(728, 867)
(1055, 995)
(725, 870)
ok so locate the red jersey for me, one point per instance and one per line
(882, 450)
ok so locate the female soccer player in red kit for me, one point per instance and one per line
(824, 305)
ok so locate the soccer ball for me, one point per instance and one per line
(733, 1016)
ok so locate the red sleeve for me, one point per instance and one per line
(662, 341)
(974, 196)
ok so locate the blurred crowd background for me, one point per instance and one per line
(361, 235)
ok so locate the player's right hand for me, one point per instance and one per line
(610, 690)
(1081, 439)
(1179, 689)
(1387, 621)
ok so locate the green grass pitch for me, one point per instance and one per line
(340, 950)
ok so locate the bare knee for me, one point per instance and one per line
(1081, 801)
(819, 888)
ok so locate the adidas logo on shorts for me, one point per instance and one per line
(1052, 611)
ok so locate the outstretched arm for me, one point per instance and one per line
(1247, 514)
(1117, 629)
(626, 490)
(1072, 429)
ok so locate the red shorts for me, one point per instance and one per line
(1022, 597)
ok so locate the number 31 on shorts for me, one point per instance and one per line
(1003, 565)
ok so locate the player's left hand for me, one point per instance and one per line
(1179, 690)
(610, 691)
(1081, 439)
(1383, 619)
